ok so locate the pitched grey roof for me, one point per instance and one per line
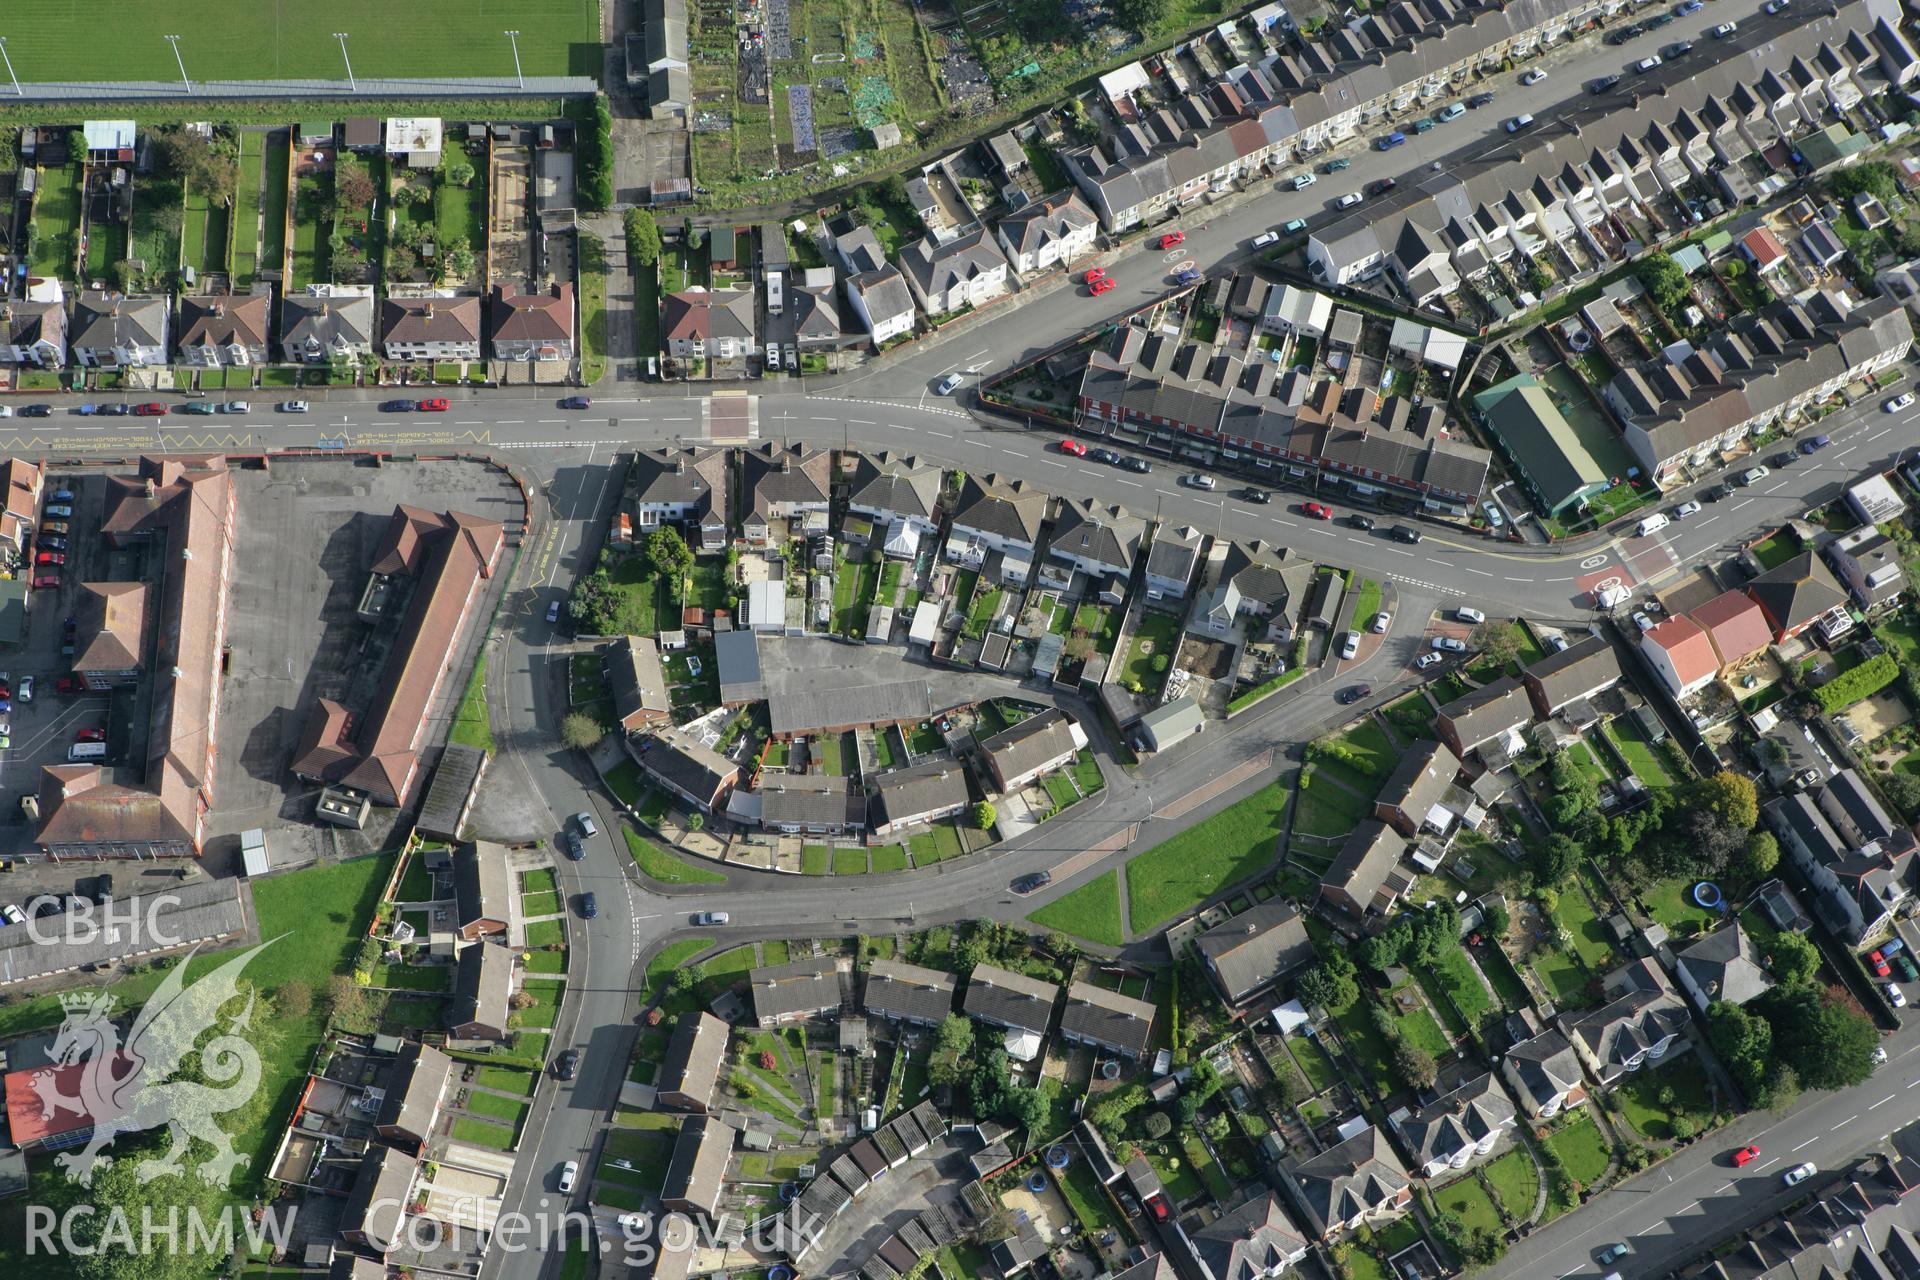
(1012, 509)
(1576, 671)
(104, 320)
(481, 884)
(902, 485)
(936, 268)
(1458, 1120)
(1251, 1242)
(687, 763)
(1056, 216)
(681, 477)
(1846, 799)
(1107, 535)
(1547, 1066)
(816, 313)
(1107, 1018)
(1173, 552)
(698, 1169)
(1725, 964)
(1800, 815)
(695, 1056)
(1009, 999)
(1483, 714)
(414, 1091)
(1420, 779)
(884, 290)
(924, 788)
(324, 323)
(1024, 746)
(1344, 1181)
(1256, 948)
(1627, 1026)
(1797, 590)
(896, 989)
(809, 800)
(799, 986)
(1361, 868)
(795, 474)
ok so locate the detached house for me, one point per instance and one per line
(1250, 583)
(1020, 753)
(1254, 1241)
(1801, 594)
(1098, 541)
(431, 328)
(1358, 1181)
(222, 329)
(1724, 965)
(786, 484)
(682, 486)
(1642, 1021)
(895, 501)
(113, 330)
(876, 290)
(326, 323)
(1458, 1128)
(1255, 950)
(533, 326)
(702, 324)
(997, 517)
(1544, 1073)
(967, 271)
(33, 334)
(1048, 233)
(1171, 561)
(816, 318)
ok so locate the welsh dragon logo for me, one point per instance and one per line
(125, 1088)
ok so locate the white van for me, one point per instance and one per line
(86, 751)
(776, 293)
(1652, 524)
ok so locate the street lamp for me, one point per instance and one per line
(341, 36)
(175, 42)
(514, 36)
(18, 91)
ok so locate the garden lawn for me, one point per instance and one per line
(1412, 716)
(56, 217)
(1086, 771)
(850, 862)
(1468, 1201)
(1313, 1062)
(626, 783)
(1060, 791)
(1516, 1182)
(493, 1105)
(1373, 754)
(539, 880)
(472, 726)
(1157, 635)
(1639, 1099)
(1328, 810)
(1367, 598)
(1457, 975)
(1368, 1047)
(483, 1133)
(1176, 1175)
(539, 904)
(1640, 755)
(816, 860)
(520, 1082)
(1418, 1028)
(1562, 976)
(663, 965)
(658, 864)
(890, 857)
(937, 844)
(1091, 912)
(1575, 914)
(1581, 1148)
(1671, 903)
(545, 932)
(1179, 874)
(852, 596)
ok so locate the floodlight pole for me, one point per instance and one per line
(181, 62)
(341, 36)
(17, 90)
(514, 36)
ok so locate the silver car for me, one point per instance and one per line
(710, 917)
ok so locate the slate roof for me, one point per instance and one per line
(639, 685)
(1361, 868)
(896, 483)
(799, 986)
(1256, 1240)
(1420, 780)
(376, 1207)
(1174, 552)
(1796, 591)
(482, 885)
(1009, 999)
(698, 1169)
(1022, 747)
(1627, 1026)
(483, 984)
(884, 290)
(314, 323)
(411, 321)
(103, 320)
(419, 1078)
(809, 800)
(1576, 671)
(697, 769)
(1107, 535)
(1725, 964)
(696, 1054)
(1256, 948)
(1483, 714)
(1013, 509)
(936, 268)
(1547, 1066)
(923, 788)
(1354, 1177)
(794, 474)
(816, 313)
(1107, 1018)
(896, 989)
(693, 477)
(1032, 226)
(1458, 1120)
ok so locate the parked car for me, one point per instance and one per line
(710, 917)
(1612, 1253)
(1188, 276)
(68, 684)
(1724, 30)
(1643, 622)
(53, 526)
(236, 406)
(50, 557)
(1353, 693)
(1426, 660)
(1686, 509)
(150, 410)
(91, 735)
(115, 410)
(1775, 6)
(1380, 186)
(1895, 997)
(1899, 402)
(1893, 947)
(198, 409)
(1258, 497)
(1452, 111)
(1350, 647)
(1264, 239)
(435, 404)
(1030, 883)
(1100, 286)
(47, 580)
(1904, 966)
(41, 411)
(1389, 141)
(1519, 122)
(397, 406)
(568, 1172)
(1481, 100)
(588, 827)
(1678, 49)
(1449, 644)
(1335, 166)
(1754, 475)
(1603, 84)
(1170, 239)
(1073, 447)
(1294, 227)
(564, 1068)
(294, 406)
(1139, 466)
(1315, 511)
(1800, 1172)
(1816, 444)
(1381, 621)
(1718, 491)
(1198, 480)
(1878, 963)
(26, 688)
(553, 611)
(575, 850)
(1157, 1203)
(1535, 76)
(60, 511)
(1107, 456)
(1301, 181)
(1095, 274)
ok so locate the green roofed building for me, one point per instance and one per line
(1542, 444)
(13, 610)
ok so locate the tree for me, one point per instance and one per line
(1576, 793)
(1143, 16)
(455, 168)
(951, 1045)
(1388, 947)
(456, 259)
(294, 999)
(345, 1000)
(1730, 797)
(682, 981)
(1024, 1108)
(1760, 857)
(1744, 1043)
(580, 730)
(103, 1251)
(203, 167)
(1903, 788)
(1794, 960)
(1413, 1064)
(1158, 1124)
(1435, 932)
(1326, 986)
(593, 157)
(1497, 640)
(668, 555)
(1665, 282)
(594, 605)
(1829, 1043)
(1554, 861)
(983, 815)
(352, 184)
(643, 237)
(1875, 178)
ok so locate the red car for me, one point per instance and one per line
(1073, 447)
(1158, 1204)
(1880, 966)
(47, 580)
(1745, 1156)
(150, 410)
(49, 557)
(93, 735)
(435, 405)
(1096, 274)
(68, 684)
(1315, 511)
(1173, 238)
(1101, 285)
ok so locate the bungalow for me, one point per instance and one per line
(785, 483)
(1171, 723)
(482, 891)
(1252, 1242)
(1365, 876)
(223, 329)
(1047, 233)
(638, 682)
(1022, 752)
(115, 330)
(1410, 800)
(908, 993)
(1106, 1020)
(794, 991)
(696, 1175)
(919, 794)
(1798, 594)
(1723, 965)
(1098, 541)
(1642, 1020)
(1252, 952)
(1581, 670)
(483, 985)
(811, 803)
(1681, 654)
(1763, 249)
(1495, 713)
(1460, 1127)
(689, 486)
(696, 1055)
(533, 326)
(689, 768)
(1356, 1181)
(422, 1079)
(1549, 455)
(966, 271)
(1544, 1073)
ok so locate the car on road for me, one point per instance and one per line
(1535, 76)
(1452, 111)
(589, 906)
(1651, 525)
(120, 410)
(1745, 1156)
(1104, 284)
(396, 406)
(565, 1067)
(1426, 660)
(1784, 458)
(199, 409)
(1775, 6)
(947, 385)
(435, 404)
(1449, 644)
(1754, 475)
(26, 688)
(50, 557)
(1031, 883)
(1314, 511)
(1405, 533)
(1107, 456)
(1389, 141)
(1171, 239)
(1612, 1253)
(710, 917)
(1188, 276)
(1294, 227)
(1623, 35)
(568, 1172)
(1718, 491)
(1380, 186)
(1258, 497)
(42, 411)
(1073, 447)
(1095, 274)
(1659, 20)
(1724, 30)
(1381, 621)
(1265, 238)
(1816, 444)
(1301, 181)
(1335, 166)
(1685, 509)
(1895, 997)
(575, 850)
(236, 406)
(149, 410)
(1466, 613)
(1678, 49)
(553, 611)
(1198, 480)
(294, 406)
(47, 580)
(1878, 962)
(1350, 647)
(1348, 200)
(91, 735)
(1899, 402)
(1799, 1174)
(1480, 100)
(588, 827)
(1139, 466)
(1353, 693)
(1603, 84)
(1363, 523)
(577, 402)
(1519, 122)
